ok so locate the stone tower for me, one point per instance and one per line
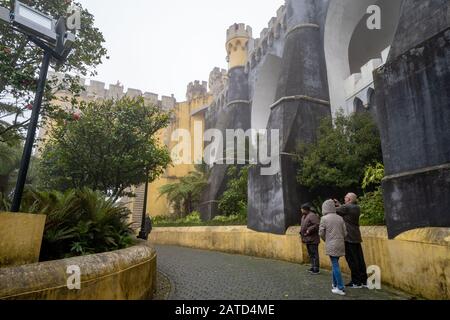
(233, 112)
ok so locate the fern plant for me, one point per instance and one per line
(79, 222)
(185, 194)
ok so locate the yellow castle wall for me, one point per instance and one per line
(184, 118)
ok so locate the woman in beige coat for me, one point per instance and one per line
(332, 230)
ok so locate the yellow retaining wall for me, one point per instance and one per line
(417, 261)
(128, 274)
(20, 238)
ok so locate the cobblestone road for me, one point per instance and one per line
(206, 275)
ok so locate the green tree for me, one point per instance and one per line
(20, 61)
(110, 148)
(234, 199)
(336, 163)
(184, 195)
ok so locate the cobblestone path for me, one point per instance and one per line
(205, 275)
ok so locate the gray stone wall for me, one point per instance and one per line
(413, 102)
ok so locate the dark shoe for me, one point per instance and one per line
(315, 273)
(354, 285)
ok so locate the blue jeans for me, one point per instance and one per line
(337, 276)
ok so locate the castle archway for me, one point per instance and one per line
(352, 51)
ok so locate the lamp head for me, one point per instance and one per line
(5, 15)
(34, 23)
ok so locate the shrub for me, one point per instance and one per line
(195, 220)
(234, 199)
(373, 175)
(372, 204)
(233, 219)
(372, 208)
(79, 222)
(160, 220)
(194, 217)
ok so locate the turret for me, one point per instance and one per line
(217, 80)
(238, 36)
(196, 89)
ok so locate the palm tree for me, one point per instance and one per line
(184, 195)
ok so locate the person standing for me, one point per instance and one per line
(354, 254)
(332, 230)
(310, 236)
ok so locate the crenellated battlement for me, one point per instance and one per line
(277, 28)
(217, 80)
(196, 89)
(96, 90)
(239, 30)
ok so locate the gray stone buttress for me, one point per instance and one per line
(302, 101)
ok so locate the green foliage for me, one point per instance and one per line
(234, 199)
(373, 175)
(233, 219)
(194, 217)
(372, 208)
(194, 220)
(372, 203)
(20, 61)
(110, 148)
(317, 205)
(10, 157)
(9, 161)
(185, 194)
(79, 222)
(336, 162)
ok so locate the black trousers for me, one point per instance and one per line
(313, 252)
(355, 259)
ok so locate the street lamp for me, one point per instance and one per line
(5, 15)
(33, 22)
(146, 222)
(51, 36)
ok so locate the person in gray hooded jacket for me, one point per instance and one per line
(332, 230)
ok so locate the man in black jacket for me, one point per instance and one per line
(354, 255)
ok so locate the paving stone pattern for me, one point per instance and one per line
(206, 275)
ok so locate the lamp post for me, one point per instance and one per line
(53, 38)
(25, 162)
(145, 229)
